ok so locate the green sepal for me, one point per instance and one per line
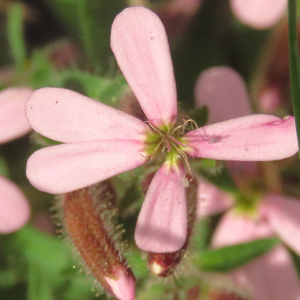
(228, 258)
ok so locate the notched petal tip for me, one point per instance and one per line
(162, 222)
(250, 138)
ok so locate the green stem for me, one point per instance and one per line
(86, 30)
(15, 34)
(294, 62)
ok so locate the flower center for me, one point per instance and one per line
(168, 139)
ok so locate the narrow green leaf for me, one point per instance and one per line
(228, 258)
(15, 33)
(86, 30)
(294, 62)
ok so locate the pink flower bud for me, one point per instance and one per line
(123, 286)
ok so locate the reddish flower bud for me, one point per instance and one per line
(88, 215)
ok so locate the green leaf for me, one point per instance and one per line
(44, 250)
(39, 285)
(228, 258)
(15, 33)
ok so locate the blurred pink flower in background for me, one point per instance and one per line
(14, 207)
(223, 91)
(272, 276)
(101, 142)
(13, 122)
(259, 14)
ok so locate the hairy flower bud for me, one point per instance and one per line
(88, 220)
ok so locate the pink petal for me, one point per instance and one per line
(67, 116)
(211, 199)
(255, 137)
(14, 207)
(162, 222)
(235, 229)
(270, 277)
(222, 90)
(140, 45)
(283, 214)
(259, 14)
(64, 168)
(123, 287)
(13, 122)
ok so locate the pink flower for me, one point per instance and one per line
(259, 14)
(101, 142)
(14, 207)
(272, 276)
